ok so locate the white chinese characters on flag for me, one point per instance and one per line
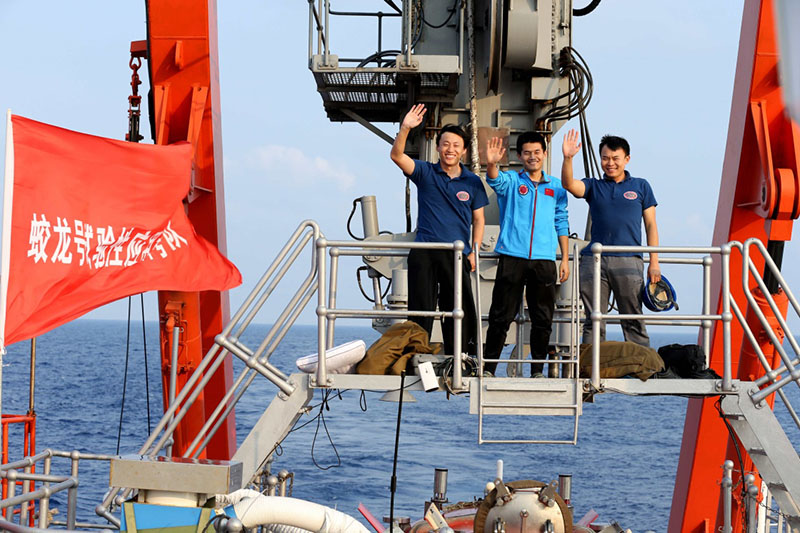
(88, 220)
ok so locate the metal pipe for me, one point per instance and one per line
(72, 492)
(369, 216)
(12, 490)
(667, 249)
(319, 30)
(235, 393)
(327, 30)
(479, 314)
(24, 497)
(310, 30)
(727, 484)
(751, 503)
(32, 380)
(726, 317)
(334, 286)
(396, 244)
(322, 370)
(707, 262)
(286, 263)
(788, 363)
(407, 37)
(173, 371)
(43, 494)
(44, 502)
(597, 250)
(458, 312)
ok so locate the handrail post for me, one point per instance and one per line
(334, 285)
(322, 313)
(597, 250)
(310, 30)
(327, 29)
(707, 261)
(726, 317)
(407, 31)
(26, 487)
(72, 492)
(44, 502)
(458, 311)
(727, 487)
(479, 312)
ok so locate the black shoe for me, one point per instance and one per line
(667, 373)
(706, 373)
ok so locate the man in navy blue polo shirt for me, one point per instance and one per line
(533, 224)
(450, 201)
(618, 203)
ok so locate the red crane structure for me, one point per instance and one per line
(184, 79)
(759, 197)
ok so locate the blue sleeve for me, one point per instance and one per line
(588, 183)
(648, 198)
(501, 183)
(562, 217)
(419, 171)
(479, 198)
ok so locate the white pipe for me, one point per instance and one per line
(255, 509)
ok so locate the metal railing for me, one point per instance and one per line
(50, 484)
(327, 312)
(319, 36)
(703, 319)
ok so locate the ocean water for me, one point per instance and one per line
(623, 466)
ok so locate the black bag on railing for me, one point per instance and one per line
(687, 360)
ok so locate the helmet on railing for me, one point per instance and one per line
(659, 296)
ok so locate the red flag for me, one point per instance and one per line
(88, 220)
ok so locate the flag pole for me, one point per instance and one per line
(5, 244)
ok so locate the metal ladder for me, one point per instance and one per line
(523, 396)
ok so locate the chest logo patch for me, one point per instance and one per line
(523, 189)
(462, 195)
(630, 195)
(549, 192)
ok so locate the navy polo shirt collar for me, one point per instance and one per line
(626, 178)
(439, 170)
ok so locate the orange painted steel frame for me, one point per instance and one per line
(758, 198)
(28, 449)
(184, 78)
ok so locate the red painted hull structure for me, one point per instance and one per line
(758, 198)
(184, 77)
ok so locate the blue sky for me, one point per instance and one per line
(663, 79)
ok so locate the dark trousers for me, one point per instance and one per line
(430, 281)
(538, 278)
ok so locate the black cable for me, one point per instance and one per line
(393, 486)
(443, 24)
(350, 219)
(125, 377)
(361, 288)
(586, 10)
(732, 435)
(321, 419)
(146, 373)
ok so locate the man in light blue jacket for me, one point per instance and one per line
(533, 224)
